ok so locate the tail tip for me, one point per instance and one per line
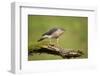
(40, 39)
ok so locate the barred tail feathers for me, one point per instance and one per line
(41, 39)
(44, 37)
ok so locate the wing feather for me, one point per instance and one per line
(50, 31)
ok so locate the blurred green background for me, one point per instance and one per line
(75, 36)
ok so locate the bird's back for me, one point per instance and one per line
(50, 31)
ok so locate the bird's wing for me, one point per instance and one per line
(50, 31)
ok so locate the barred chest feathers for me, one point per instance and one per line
(58, 33)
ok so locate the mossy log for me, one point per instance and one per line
(55, 50)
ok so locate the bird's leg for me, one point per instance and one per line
(57, 42)
(49, 41)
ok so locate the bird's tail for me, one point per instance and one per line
(41, 39)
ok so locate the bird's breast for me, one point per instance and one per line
(57, 33)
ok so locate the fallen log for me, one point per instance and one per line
(55, 50)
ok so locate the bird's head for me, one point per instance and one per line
(62, 29)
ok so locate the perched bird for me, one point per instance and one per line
(53, 33)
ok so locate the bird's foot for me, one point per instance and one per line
(56, 45)
(51, 44)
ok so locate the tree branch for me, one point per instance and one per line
(55, 50)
